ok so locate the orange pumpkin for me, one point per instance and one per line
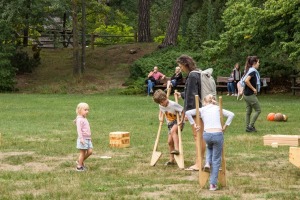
(271, 116)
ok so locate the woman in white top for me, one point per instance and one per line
(213, 134)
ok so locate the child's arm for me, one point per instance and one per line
(189, 114)
(161, 116)
(79, 130)
(230, 116)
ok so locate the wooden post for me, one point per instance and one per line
(203, 175)
(294, 156)
(222, 172)
(179, 158)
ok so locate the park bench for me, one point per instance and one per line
(222, 83)
(163, 84)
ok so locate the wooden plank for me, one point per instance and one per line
(294, 156)
(119, 139)
(282, 140)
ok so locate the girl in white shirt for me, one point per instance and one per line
(213, 134)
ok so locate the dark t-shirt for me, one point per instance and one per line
(253, 81)
(192, 88)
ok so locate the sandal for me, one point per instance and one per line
(175, 152)
(170, 163)
(191, 168)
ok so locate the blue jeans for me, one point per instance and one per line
(214, 146)
(150, 86)
(230, 87)
(174, 83)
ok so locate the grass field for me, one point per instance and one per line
(38, 154)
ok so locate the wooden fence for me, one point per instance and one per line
(65, 39)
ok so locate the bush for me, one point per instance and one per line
(23, 63)
(7, 72)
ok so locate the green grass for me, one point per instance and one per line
(37, 152)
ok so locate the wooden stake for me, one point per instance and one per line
(179, 158)
(222, 173)
(203, 175)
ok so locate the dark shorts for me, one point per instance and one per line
(171, 124)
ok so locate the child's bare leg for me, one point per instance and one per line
(174, 136)
(87, 154)
(171, 147)
(82, 153)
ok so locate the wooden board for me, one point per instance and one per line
(282, 140)
(119, 139)
(294, 156)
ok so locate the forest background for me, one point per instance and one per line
(216, 33)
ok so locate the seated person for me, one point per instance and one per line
(230, 86)
(176, 78)
(153, 77)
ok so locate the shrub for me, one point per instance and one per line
(7, 72)
(23, 63)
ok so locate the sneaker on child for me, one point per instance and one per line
(207, 167)
(80, 169)
(213, 187)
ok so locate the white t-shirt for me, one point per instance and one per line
(170, 110)
(210, 115)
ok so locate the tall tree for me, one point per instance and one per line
(77, 71)
(83, 36)
(144, 21)
(172, 31)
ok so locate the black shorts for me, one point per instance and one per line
(172, 123)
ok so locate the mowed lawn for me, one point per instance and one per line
(38, 154)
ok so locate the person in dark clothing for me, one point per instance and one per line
(252, 87)
(176, 78)
(192, 88)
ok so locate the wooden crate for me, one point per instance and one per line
(119, 139)
(282, 140)
(294, 156)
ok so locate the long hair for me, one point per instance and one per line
(250, 61)
(187, 61)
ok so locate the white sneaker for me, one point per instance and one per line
(207, 167)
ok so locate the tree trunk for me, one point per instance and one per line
(76, 59)
(144, 21)
(26, 29)
(83, 36)
(173, 27)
